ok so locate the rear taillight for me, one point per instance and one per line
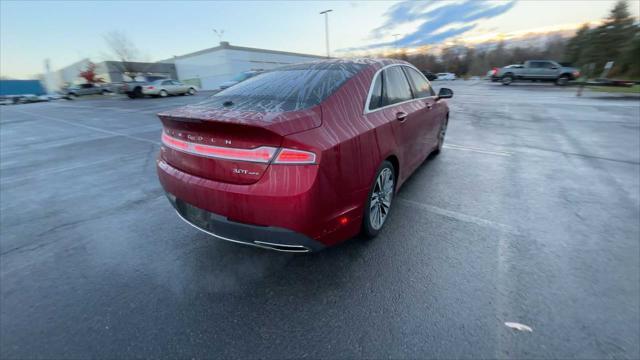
(494, 71)
(262, 154)
(291, 156)
(150, 87)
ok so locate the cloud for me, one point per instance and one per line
(438, 21)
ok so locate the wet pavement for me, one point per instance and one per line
(531, 215)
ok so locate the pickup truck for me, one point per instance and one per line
(536, 70)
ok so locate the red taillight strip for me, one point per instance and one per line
(291, 156)
(261, 154)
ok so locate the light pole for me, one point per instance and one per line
(326, 28)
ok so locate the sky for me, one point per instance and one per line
(68, 31)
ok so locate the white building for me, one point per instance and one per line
(209, 68)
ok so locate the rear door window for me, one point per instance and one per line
(396, 88)
(420, 86)
(376, 93)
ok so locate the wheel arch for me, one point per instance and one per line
(396, 167)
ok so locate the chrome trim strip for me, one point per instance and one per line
(294, 248)
(373, 81)
(243, 242)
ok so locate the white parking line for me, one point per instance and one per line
(459, 216)
(483, 151)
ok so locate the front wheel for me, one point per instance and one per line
(379, 201)
(441, 134)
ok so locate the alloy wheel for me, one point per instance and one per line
(381, 197)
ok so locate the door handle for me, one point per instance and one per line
(401, 116)
(429, 105)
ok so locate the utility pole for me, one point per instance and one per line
(326, 28)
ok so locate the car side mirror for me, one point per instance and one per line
(445, 93)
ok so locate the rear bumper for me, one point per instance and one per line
(267, 237)
(287, 200)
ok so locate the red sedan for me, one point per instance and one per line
(303, 156)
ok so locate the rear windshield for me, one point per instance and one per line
(288, 88)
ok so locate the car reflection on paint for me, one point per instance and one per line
(240, 78)
(303, 156)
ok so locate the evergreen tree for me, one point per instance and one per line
(576, 45)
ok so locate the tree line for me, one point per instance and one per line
(616, 39)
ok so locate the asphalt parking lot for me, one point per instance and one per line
(531, 214)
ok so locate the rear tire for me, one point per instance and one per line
(163, 93)
(191, 91)
(379, 200)
(562, 80)
(507, 79)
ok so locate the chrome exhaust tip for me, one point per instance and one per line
(282, 247)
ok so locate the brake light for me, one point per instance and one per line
(150, 87)
(291, 156)
(174, 143)
(494, 71)
(262, 154)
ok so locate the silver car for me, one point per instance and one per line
(165, 88)
(85, 89)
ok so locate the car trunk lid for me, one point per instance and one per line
(228, 145)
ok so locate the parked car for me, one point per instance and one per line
(429, 75)
(536, 70)
(164, 88)
(160, 87)
(240, 78)
(31, 98)
(304, 156)
(133, 89)
(85, 89)
(446, 76)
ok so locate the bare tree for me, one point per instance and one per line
(123, 49)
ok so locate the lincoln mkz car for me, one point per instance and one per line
(304, 156)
